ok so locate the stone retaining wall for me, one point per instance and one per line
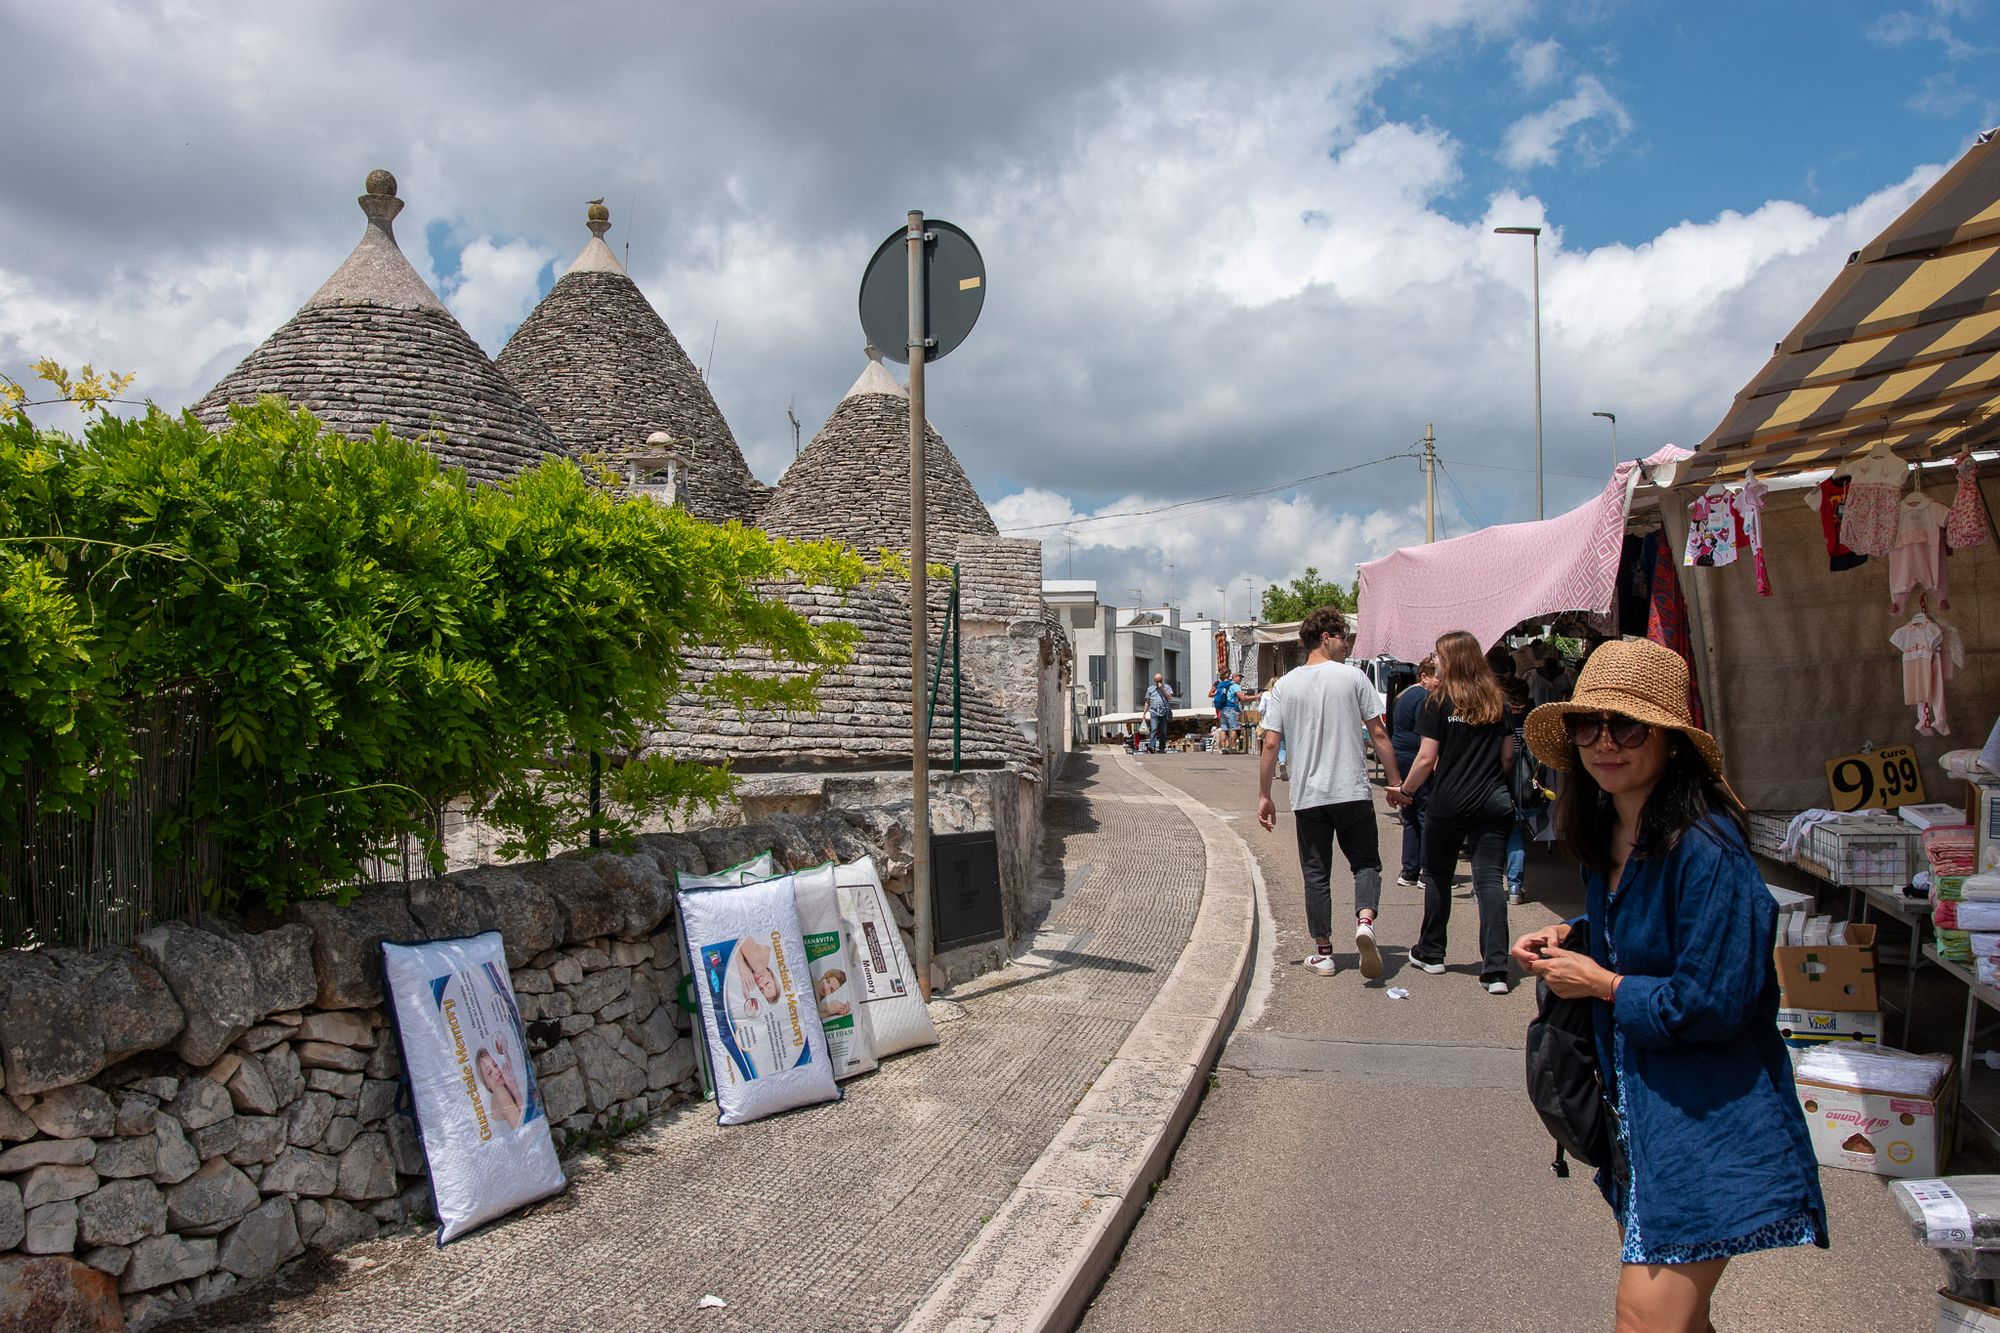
(185, 1116)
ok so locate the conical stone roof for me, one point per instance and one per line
(852, 482)
(374, 346)
(601, 366)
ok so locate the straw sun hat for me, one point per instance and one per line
(1638, 678)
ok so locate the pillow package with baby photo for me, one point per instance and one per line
(754, 988)
(485, 1135)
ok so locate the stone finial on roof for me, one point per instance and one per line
(377, 272)
(876, 378)
(597, 256)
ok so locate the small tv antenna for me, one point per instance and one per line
(711, 351)
(793, 417)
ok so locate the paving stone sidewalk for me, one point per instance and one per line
(837, 1217)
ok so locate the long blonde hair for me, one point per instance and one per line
(1467, 680)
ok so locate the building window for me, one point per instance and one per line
(1083, 617)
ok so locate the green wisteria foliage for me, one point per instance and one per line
(367, 636)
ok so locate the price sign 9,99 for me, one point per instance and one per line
(1879, 780)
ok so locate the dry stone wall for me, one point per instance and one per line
(187, 1115)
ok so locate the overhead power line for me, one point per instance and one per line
(1224, 498)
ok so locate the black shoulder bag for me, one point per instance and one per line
(1565, 1082)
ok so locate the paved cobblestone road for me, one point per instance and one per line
(1370, 1162)
(838, 1217)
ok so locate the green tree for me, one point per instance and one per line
(1306, 594)
(368, 636)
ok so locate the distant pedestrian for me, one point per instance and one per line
(1159, 713)
(1228, 712)
(1319, 714)
(1467, 745)
(1515, 697)
(1407, 740)
(1680, 932)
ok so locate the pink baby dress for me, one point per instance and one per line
(1868, 524)
(1967, 524)
(1750, 509)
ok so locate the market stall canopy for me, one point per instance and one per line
(1903, 349)
(1491, 580)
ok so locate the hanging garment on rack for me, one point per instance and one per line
(1967, 524)
(1668, 623)
(1917, 558)
(1830, 499)
(1869, 523)
(1715, 529)
(1750, 511)
(1922, 643)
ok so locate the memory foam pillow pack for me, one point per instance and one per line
(485, 1135)
(836, 973)
(754, 989)
(896, 1016)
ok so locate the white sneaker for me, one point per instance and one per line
(1497, 986)
(1513, 897)
(1322, 964)
(1404, 881)
(1364, 943)
(1435, 969)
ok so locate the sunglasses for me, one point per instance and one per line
(1626, 733)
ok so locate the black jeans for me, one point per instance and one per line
(1413, 832)
(1444, 838)
(1353, 823)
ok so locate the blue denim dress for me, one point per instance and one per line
(1721, 1163)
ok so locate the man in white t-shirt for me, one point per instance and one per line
(1321, 713)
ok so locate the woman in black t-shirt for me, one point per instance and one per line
(1468, 747)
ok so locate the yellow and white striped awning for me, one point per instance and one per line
(1904, 347)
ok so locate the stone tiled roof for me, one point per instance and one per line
(1000, 579)
(601, 366)
(852, 482)
(864, 706)
(374, 346)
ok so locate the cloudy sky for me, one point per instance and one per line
(1228, 246)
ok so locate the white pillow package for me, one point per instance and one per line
(748, 958)
(896, 1016)
(829, 936)
(485, 1135)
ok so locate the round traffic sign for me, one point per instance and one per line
(954, 287)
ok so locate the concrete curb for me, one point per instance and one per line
(1037, 1264)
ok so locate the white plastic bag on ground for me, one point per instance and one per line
(829, 937)
(485, 1136)
(896, 1017)
(748, 959)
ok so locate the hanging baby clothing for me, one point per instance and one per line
(1931, 651)
(1917, 558)
(1715, 529)
(1750, 510)
(1967, 524)
(1830, 499)
(1869, 523)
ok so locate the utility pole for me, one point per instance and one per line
(920, 746)
(1430, 484)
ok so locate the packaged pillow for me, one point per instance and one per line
(761, 866)
(759, 1023)
(829, 935)
(484, 1132)
(897, 1019)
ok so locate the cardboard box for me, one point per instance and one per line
(1838, 977)
(1956, 1314)
(1804, 1029)
(1904, 1137)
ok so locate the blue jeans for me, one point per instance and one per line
(1156, 732)
(1517, 856)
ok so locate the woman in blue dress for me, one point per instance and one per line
(1681, 930)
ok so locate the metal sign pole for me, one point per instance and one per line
(920, 795)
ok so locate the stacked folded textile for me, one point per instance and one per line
(1954, 946)
(1966, 914)
(1950, 850)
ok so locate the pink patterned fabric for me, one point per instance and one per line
(1868, 524)
(1967, 524)
(1488, 581)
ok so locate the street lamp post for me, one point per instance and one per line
(1611, 417)
(1534, 235)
